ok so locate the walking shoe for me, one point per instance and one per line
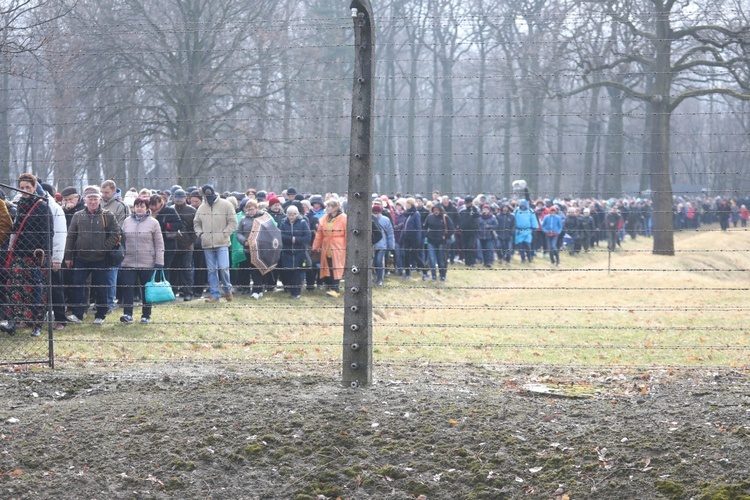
(333, 293)
(187, 298)
(8, 327)
(36, 331)
(228, 296)
(72, 318)
(296, 296)
(442, 278)
(145, 320)
(257, 296)
(380, 283)
(59, 326)
(424, 277)
(212, 300)
(126, 318)
(98, 321)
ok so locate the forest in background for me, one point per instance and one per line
(578, 98)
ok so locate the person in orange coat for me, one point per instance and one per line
(330, 241)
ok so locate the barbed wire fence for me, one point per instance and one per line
(605, 307)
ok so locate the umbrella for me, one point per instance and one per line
(264, 242)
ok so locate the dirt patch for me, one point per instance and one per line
(430, 432)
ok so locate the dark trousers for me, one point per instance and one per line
(200, 276)
(58, 296)
(100, 283)
(469, 247)
(292, 279)
(129, 279)
(413, 258)
(181, 277)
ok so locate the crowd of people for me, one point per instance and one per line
(202, 239)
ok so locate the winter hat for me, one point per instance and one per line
(290, 192)
(524, 204)
(316, 198)
(468, 200)
(209, 193)
(260, 195)
(273, 200)
(179, 195)
(292, 209)
(92, 192)
(195, 194)
(377, 209)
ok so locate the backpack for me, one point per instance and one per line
(378, 233)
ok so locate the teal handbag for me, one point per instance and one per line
(158, 292)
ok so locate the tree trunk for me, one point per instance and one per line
(615, 145)
(592, 131)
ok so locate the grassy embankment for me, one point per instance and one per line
(686, 310)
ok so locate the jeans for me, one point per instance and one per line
(217, 264)
(112, 286)
(436, 255)
(488, 251)
(100, 284)
(398, 255)
(504, 249)
(525, 251)
(378, 262)
(129, 277)
(554, 253)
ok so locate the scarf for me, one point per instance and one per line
(139, 219)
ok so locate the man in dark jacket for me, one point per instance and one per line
(71, 203)
(182, 263)
(171, 227)
(506, 231)
(411, 240)
(612, 225)
(92, 233)
(468, 220)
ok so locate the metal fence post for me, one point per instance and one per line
(357, 348)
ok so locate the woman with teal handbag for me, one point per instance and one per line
(144, 255)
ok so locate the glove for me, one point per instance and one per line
(158, 266)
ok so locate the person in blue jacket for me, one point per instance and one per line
(552, 227)
(386, 244)
(526, 224)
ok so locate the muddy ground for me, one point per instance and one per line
(203, 431)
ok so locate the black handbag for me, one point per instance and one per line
(115, 256)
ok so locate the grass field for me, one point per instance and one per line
(633, 309)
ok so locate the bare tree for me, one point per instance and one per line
(685, 53)
(22, 32)
(193, 66)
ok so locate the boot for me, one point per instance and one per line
(9, 327)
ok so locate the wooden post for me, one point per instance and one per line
(357, 348)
